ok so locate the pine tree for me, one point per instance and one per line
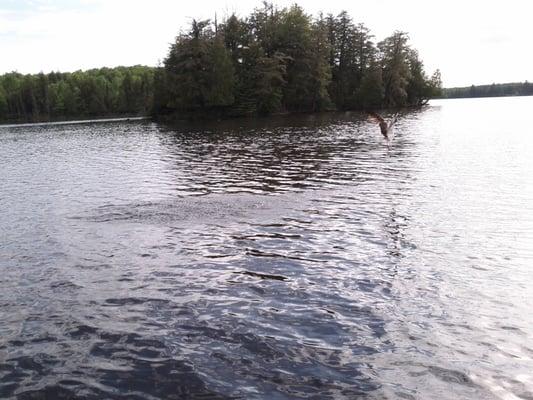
(396, 74)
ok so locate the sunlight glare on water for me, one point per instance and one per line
(294, 257)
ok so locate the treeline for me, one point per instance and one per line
(283, 60)
(275, 60)
(494, 90)
(94, 93)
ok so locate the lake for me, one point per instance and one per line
(281, 258)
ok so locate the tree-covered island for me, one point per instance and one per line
(283, 60)
(276, 60)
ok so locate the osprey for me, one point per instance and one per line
(386, 127)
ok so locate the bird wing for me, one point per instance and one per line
(393, 120)
(375, 117)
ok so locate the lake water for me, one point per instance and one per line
(297, 257)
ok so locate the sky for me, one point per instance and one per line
(470, 41)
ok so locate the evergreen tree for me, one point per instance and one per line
(308, 74)
(3, 104)
(221, 76)
(341, 35)
(269, 77)
(199, 70)
(371, 93)
(434, 86)
(396, 73)
(320, 70)
(417, 87)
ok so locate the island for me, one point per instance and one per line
(274, 61)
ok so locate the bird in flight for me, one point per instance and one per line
(386, 127)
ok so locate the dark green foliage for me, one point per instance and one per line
(371, 91)
(395, 61)
(494, 90)
(435, 85)
(308, 75)
(95, 93)
(267, 82)
(3, 104)
(342, 36)
(221, 78)
(276, 60)
(199, 72)
(279, 60)
(319, 77)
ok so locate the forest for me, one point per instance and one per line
(95, 93)
(284, 60)
(494, 90)
(276, 60)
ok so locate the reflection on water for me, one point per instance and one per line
(280, 258)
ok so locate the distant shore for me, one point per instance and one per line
(493, 90)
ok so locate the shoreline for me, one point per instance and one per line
(205, 118)
(74, 122)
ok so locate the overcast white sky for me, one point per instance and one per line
(471, 41)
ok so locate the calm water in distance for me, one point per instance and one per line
(284, 258)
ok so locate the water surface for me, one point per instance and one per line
(297, 257)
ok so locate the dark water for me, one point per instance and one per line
(276, 259)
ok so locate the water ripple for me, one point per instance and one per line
(291, 257)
